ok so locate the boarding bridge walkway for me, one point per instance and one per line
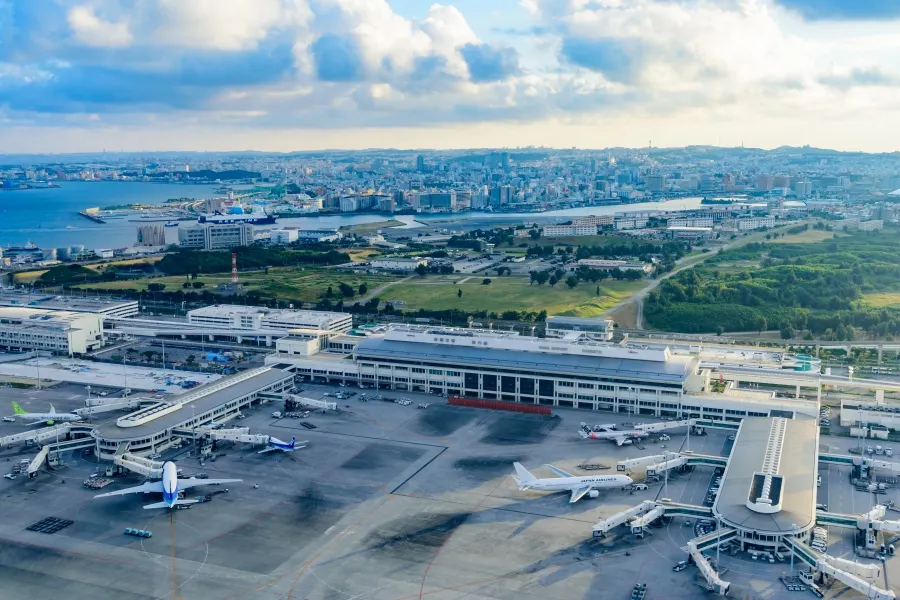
(726, 425)
(802, 551)
(604, 526)
(38, 461)
(634, 463)
(713, 582)
(689, 459)
(836, 459)
(837, 520)
(44, 434)
(650, 510)
(850, 573)
(103, 408)
(638, 524)
(715, 538)
(676, 509)
(239, 434)
(137, 464)
(311, 403)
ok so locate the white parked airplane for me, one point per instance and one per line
(566, 482)
(276, 445)
(608, 433)
(43, 418)
(169, 486)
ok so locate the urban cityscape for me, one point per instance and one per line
(389, 300)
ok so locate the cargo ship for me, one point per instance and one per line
(237, 215)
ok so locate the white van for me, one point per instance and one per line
(639, 487)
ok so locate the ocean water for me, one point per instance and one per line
(50, 219)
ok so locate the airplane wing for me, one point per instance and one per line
(559, 472)
(150, 486)
(619, 440)
(269, 449)
(578, 493)
(184, 484)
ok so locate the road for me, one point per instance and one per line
(684, 263)
(374, 293)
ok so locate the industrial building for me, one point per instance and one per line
(56, 331)
(254, 317)
(406, 265)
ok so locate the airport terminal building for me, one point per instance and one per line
(572, 372)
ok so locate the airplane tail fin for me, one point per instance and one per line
(17, 410)
(177, 503)
(523, 475)
(52, 410)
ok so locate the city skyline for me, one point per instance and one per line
(295, 75)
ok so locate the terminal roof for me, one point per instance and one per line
(797, 467)
(201, 405)
(674, 370)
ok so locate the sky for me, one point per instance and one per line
(283, 75)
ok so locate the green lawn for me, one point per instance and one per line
(509, 293)
(293, 283)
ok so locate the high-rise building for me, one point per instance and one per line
(803, 189)
(656, 184)
(420, 163)
(151, 235)
(192, 236)
(764, 183)
(216, 237)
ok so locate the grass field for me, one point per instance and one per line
(509, 293)
(293, 283)
(626, 316)
(882, 299)
(807, 237)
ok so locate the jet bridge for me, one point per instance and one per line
(664, 425)
(238, 434)
(638, 524)
(634, 463)
(37, 462)
(108, 407)
(312, 403)
(713, 582)
(850, 573)
(137, 464)
(36, 436)
(604, 526)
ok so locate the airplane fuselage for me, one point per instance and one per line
(170, 483)
(564, 484)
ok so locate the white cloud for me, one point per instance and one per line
(92, 31)
(230, 25)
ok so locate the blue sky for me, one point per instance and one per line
(81, 75)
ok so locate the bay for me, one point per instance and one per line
(49, 217)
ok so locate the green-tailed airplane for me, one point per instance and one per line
(49, 418)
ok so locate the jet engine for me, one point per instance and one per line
(593, 494)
